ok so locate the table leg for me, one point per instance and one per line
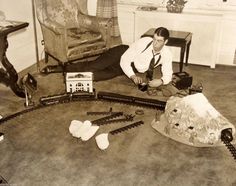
(46, 57)
(9, 76)
(182, 51)
(4, 78)
(187, 52)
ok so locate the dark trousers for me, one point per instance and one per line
(106, 66)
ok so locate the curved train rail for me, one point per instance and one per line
(87, 96)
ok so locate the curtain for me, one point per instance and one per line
(108, 9)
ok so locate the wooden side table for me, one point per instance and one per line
(9, 76)
(177, 39)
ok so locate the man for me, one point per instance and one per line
(126, 60)
(140, 54)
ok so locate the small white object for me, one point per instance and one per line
(79, 81)
(1, 136)
(74, 126)
(83, 129)
(1, 117)
(102, 141)
(90, 133)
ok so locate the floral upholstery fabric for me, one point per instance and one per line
(78, 37)
(62, 11)
(69, 33)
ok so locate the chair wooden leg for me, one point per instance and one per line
(63, 70)
(46, 57)
(187, 53)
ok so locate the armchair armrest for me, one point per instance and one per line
(90, 22)
(104, 22)
(97, 24)
(55, 40)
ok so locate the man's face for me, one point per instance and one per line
(158, 42)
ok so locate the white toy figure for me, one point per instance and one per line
(84, 130)
(102, 141)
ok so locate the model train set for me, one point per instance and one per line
(88, 96)
(79, 96)
(226, 135)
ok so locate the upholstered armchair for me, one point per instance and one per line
(70, 34)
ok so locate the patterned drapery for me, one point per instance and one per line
(108, 9)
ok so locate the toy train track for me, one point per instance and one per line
(87, 96)
(151, 103)
(231, 149)
(119, 120)
(53, 100)
(12, 116)
(102, 120)
(227, 137)
(125, 128)
(113, 119)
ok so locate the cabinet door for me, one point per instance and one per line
(205, 29)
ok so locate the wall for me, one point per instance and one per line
(21, 51)
(190, 3)
(214, 23)
(92, 7)
(203, 50)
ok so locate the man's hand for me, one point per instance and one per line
(155, 83)
(136, 79)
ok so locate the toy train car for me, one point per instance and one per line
(115, 97)
(81, 95)
(67, 97)
(153, 103)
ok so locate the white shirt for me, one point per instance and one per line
(141, 59)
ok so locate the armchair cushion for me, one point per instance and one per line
(81, 41)
(77, 37)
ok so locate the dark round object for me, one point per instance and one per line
(143, 87)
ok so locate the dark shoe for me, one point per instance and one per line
(52, 69)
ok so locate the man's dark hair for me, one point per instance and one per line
(163, 32)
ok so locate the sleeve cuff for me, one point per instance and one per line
(162, 81)
(165, 81)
